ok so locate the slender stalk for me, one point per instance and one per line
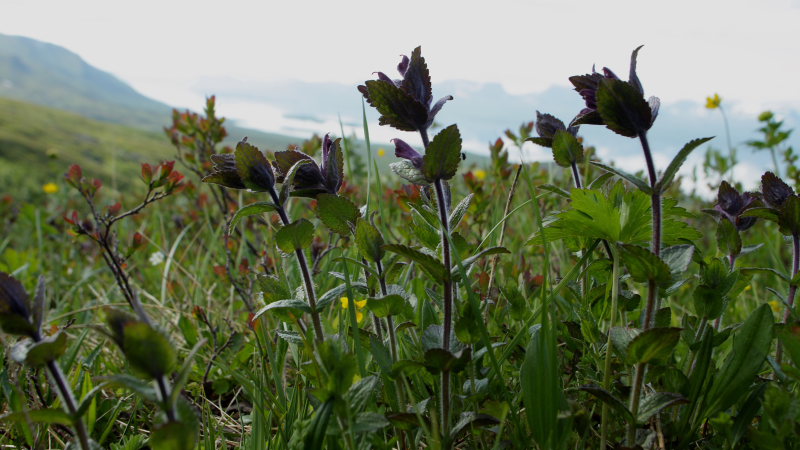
(448, 303)
(389, 319)
(392, 346)
(576, 176)
(496, 258)
(69, 403)
(376, 321)
(164, 391)
(307, 281)
(652, 289)
(792, 290)
(447, 292)
(607, 369)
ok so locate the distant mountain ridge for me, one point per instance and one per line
(49, 75)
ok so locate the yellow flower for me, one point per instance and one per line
(50, 188)
(480, 174)
(359, 304)
(713, 102)
(775, 305)
(381, 152)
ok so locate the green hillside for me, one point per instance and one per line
(50, 75)
(46, 74)
(37, 144)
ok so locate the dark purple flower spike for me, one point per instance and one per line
(731, 204)
(624, 93)
(405, 104)
(775, 190)
(405, 151)
(312, 179)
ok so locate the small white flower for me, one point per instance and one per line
(156, 258)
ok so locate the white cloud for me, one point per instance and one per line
(739, 48)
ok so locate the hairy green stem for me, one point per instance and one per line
(311, 295)
(69, 403)
(164, 391)
(792, 290)
(447, 292)
(652, 289)
(607, 368)
(448, 302)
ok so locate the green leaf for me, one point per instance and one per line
(677, 257)
(442, 155)
(249, 210)
(728, 240)
(716, 282)
(288, 180)
(337, 213)
(468, 262)
(173, 435)
(567, 150)
(470, 419)
(609, 399)
(654, 403)
(762, 213)
(295, 236)
(751, 345)
(46, 350)
(621, 338)
(186, 370)
(643, 265)
(654, 343)
(148, 350)
(369, 421)
(766, 270)
(253, 167)
(426, 262)
(398, 109)
(405, 169)
(143, 388)
(48, 415)
(542, 391)
(789, 216)
(600, 181)
(622, 108)
(459, 211)
(362, 392)
(369, 241)
(677, 162)
(389, 305)
(272, 288)
(292, 337)
(554, 189)
(337, 292)
(289, 309)
(439, 360)
(789, 335)
(315, 436)
(633, 179)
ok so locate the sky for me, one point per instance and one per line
(745, 50)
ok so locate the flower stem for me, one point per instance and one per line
(652, 289)
(307, 281)
(447, 294)
(69, 403)
(448, 302)
(792, 290)
(607, 368)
